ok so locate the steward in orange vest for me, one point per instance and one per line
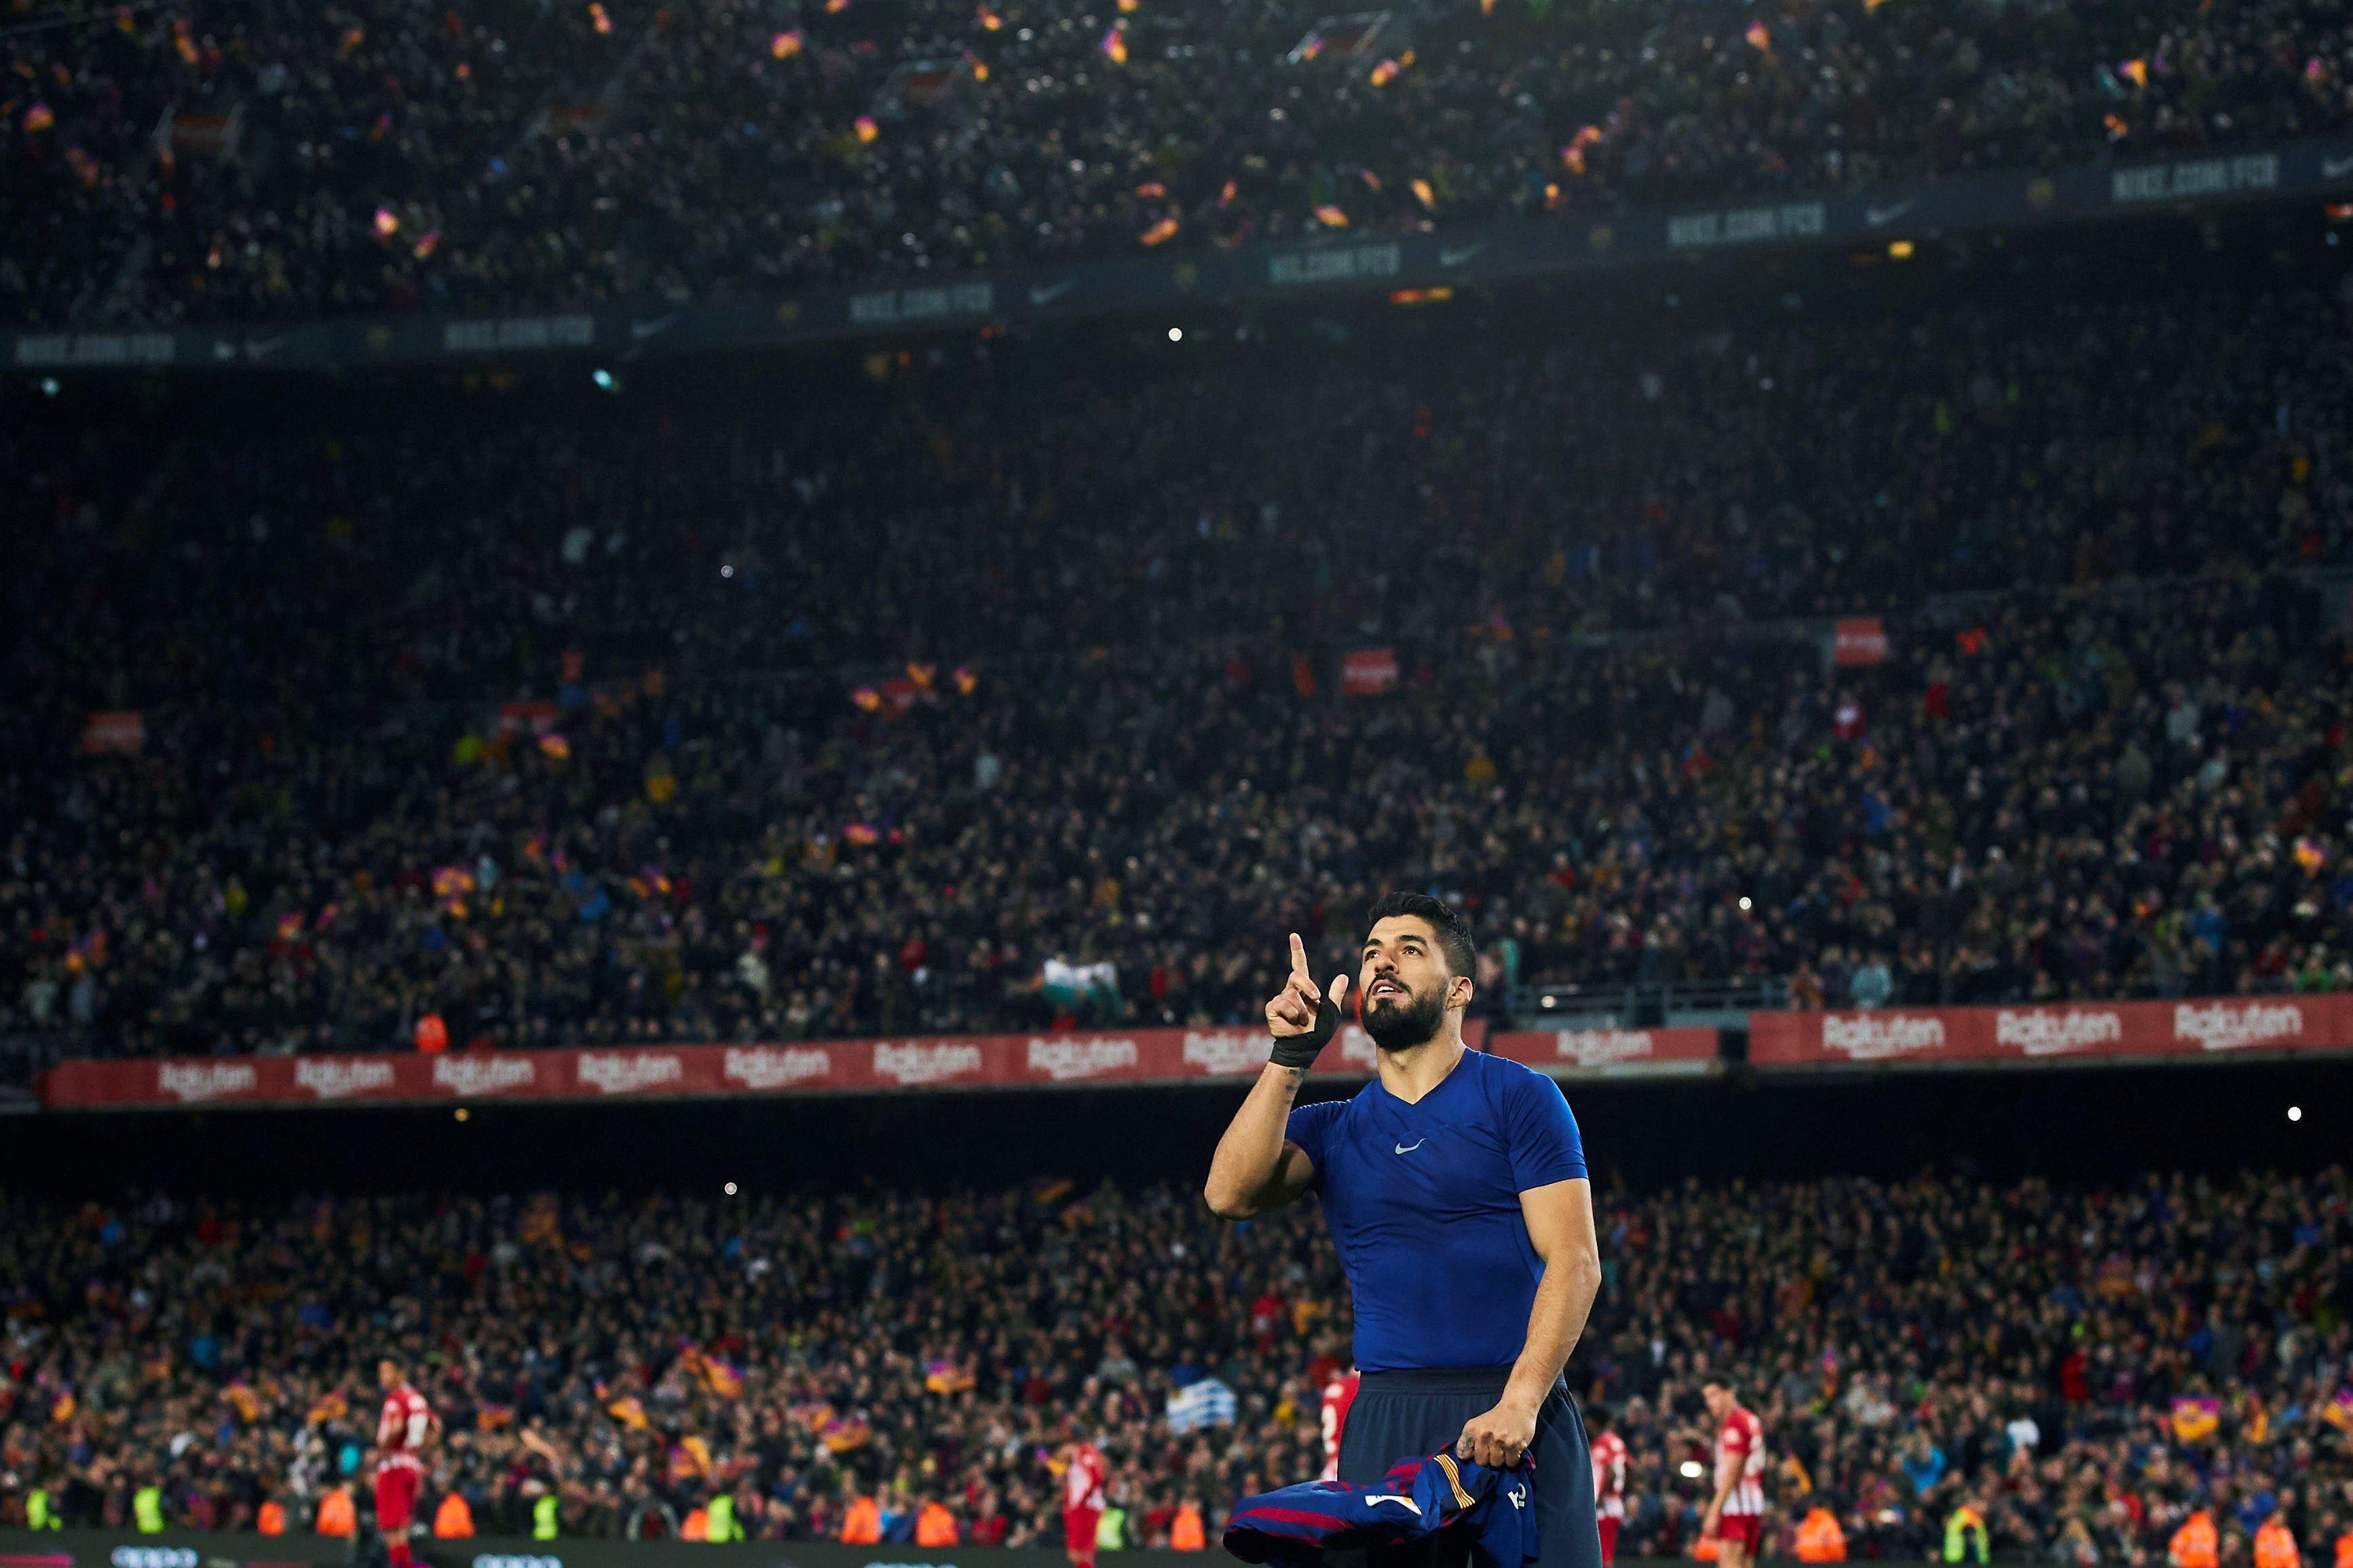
(2275, 1545)
(2195, 1544)
(934, 1525)
(454, 1518)
(1819, 1538)
(336, 1514)
(863, 1524)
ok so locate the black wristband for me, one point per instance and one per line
(1301, 1050)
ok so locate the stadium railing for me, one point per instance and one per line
(23, 1057)
(1696, 1004)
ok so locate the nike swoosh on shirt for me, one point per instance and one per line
(1409, 1148)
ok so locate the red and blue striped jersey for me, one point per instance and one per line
(1293, 1527)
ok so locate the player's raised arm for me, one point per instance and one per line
(1257, 1168)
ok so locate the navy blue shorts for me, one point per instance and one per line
(1412, 1414)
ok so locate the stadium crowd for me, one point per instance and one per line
(2084, 1367)
(160, 163)
(809, 764)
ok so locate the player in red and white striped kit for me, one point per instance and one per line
(403, 1433)
(1608, 1480)
(1736, 1515)
(1338, 1394)
(1082, 1500)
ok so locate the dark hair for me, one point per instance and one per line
(1453, 933)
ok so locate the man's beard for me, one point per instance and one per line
(1401, 1026)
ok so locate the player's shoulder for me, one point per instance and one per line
(1503, 1069)
(1504, 1081)
(1342, 1112)
(1317, 1115)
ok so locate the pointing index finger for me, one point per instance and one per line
(1298, 956)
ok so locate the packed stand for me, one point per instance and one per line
(203, 162)
(857, 723)
(199, 161)
(2084, 1369)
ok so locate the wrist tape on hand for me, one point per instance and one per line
(1301, 1050)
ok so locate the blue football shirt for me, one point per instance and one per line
(1424, 1204)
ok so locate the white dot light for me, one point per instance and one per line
(2296, 1113)
(1690, 1470)
(731, 1189)
(1744, 900)
(1175, 334)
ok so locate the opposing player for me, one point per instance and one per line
(1338, 1394)
(402, 1434)
(1082, 1500)
(1736, 1515)
(1609, 1480)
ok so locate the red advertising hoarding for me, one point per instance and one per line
(1859, 639)
(2058, 1032)
(1368, 672)
(1611, 1052)
(120, 733)
(967, 1061)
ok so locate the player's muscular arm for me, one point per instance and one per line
(1559, 1218)
(1256, 1169)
